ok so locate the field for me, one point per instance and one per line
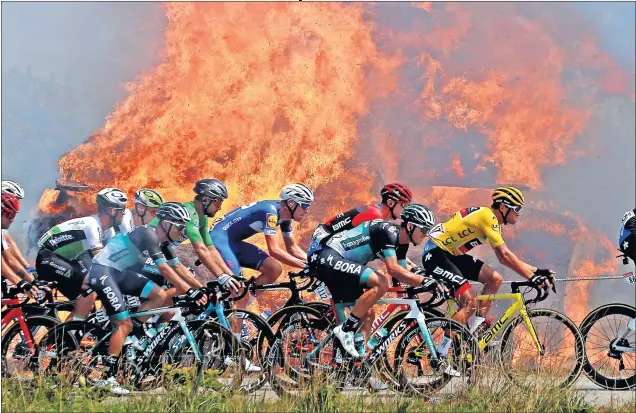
(48, 396)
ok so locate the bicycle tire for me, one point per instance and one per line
(586, 329)
(33, 324)
(508, 337)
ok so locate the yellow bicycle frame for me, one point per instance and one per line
(516, 306)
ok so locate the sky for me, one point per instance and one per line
(64, 66)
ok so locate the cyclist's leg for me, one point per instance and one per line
(136, 285)
(437, 263)
(250, 256)
(105, 282)
(346, 280)
(473, 269)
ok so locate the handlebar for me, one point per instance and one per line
(541, 294)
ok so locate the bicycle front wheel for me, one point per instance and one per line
(558, 363)
(606, 327)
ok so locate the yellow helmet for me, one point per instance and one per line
(509, 196)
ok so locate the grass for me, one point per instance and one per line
(50, 396)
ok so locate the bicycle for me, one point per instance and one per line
(536, 361)
(20, 342)
(318, 352)
(609, 334)
(77, 347)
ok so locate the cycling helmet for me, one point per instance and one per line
(173, 212)
(299, 193)
(148, 198)
(509, 196)
(212, 188)
(111, 198)
(418, 215)
(10, 204)
(396, 192)
(13, 188)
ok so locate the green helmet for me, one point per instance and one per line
(148, 198)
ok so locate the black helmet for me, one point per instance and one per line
(212, 188)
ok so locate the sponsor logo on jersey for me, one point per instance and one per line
(232, 222)
(464, 212)
(272, 220)
(55, 240)
(496, 227)
(342, 224)
(355, 242)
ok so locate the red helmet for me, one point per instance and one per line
(396, 192)
(10, 204)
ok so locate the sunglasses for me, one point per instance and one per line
(304, 206)
(405, 204)
(180, 227)
(516, 209)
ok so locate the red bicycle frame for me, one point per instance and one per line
(15, 313)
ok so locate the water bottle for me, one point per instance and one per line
(322, 291)
(358, 342)
(265, 314)
(377, 338)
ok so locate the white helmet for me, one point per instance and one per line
(13, 188)
(111, 198)
(298, 193)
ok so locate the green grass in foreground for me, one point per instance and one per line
(48, 396)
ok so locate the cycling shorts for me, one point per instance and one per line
(345, 279)
(69, 275)
(453, 270)
(111, 284)
(238, 254)
(628, 246)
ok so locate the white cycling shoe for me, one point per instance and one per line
(346, 339)
(113, 385)
(249, 366)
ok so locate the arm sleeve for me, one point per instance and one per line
(147, 240)
(204, 231)
(369, 214)
(93, 236)
(192, 233)
(383, 239)
(270, 221)
(286, 228)
(169, 253)
(490, 226)
(400, 253)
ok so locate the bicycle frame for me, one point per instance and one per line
(517, 306)
(414, 314)
(16, 313)
(631, 327)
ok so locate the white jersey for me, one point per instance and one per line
(73, 237)
(128, 223)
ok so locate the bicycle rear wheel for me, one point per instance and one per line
(614, 370)
(18, 359)
(563, 351)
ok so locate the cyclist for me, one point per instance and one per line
(116, 271)
(19, 261)
(147, 202)
(231, 230)
(10, 270)
(341, 265)
(67, 249)
(394, 198)
(210, 194)
(627, 236)
(444, 255)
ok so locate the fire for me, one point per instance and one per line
(259, 95)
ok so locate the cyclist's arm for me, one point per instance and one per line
(207, 258)
(293, 248)
(510, 260)
(171, 275)
(218, 260)
(279, 254)
(402, 274)
(9, 260)
(8, 273)
(16, 251)
(186, 276)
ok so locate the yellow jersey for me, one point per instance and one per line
(468, 228)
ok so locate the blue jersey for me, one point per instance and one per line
(369, 241)
(250, 219)
(628, 226)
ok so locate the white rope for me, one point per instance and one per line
(596, 278)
